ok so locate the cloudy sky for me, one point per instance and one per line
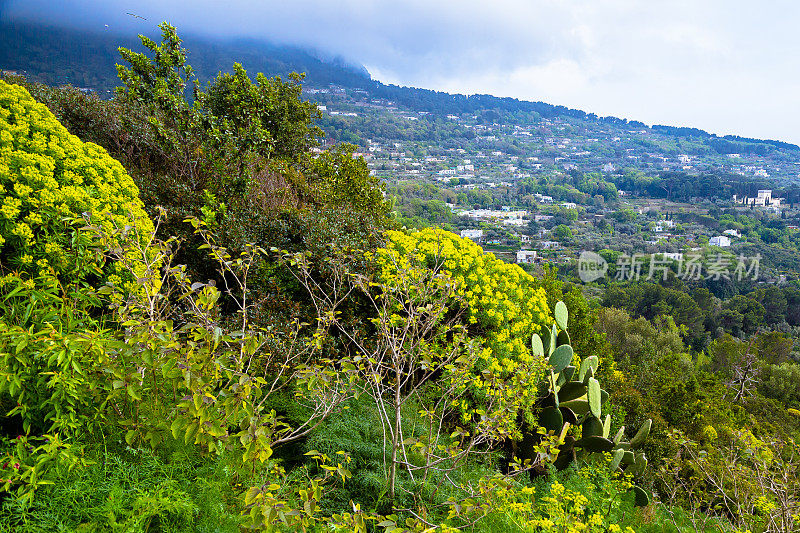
(724, 66)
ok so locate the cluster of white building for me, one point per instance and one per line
(506, 217)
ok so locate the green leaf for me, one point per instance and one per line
(642, 434)
(592, 427)
(561, 358)
(537, 346)
(175, 427)
(547, 341)
(571, 390)
(191, 431)
(628, 458)
(594, 397)
(616, 458)
(568, 415)
(640, 497)
(551, 419)
(607, 426)
(586, 364)
(561, 315)
(579, 407)
(563, 338)
(619, 435)
(595, 444)
(251, 495)
(133, 393)
(639, 465)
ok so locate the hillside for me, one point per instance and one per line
(212, 319)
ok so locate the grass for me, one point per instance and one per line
(357, 431)
(131, 491)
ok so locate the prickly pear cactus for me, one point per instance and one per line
(571, 397)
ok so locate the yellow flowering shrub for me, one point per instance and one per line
(49, 179)
(590, 501)
(709, 433)
(502, 301)
(499, 302)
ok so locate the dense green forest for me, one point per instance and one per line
(208, 323)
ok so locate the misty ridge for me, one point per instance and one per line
(60, 55)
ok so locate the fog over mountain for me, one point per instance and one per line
(727, 67)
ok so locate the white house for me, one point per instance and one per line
(732, 232)
(550, 245)
(661, 224)
(721, 241)
(519, 222)
(526, 256)
(472, 234)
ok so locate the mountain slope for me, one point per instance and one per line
(86, 59)
(58, 55)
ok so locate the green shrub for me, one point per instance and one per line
(782, 382)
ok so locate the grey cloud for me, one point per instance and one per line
(411, 37)
(726, 66)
